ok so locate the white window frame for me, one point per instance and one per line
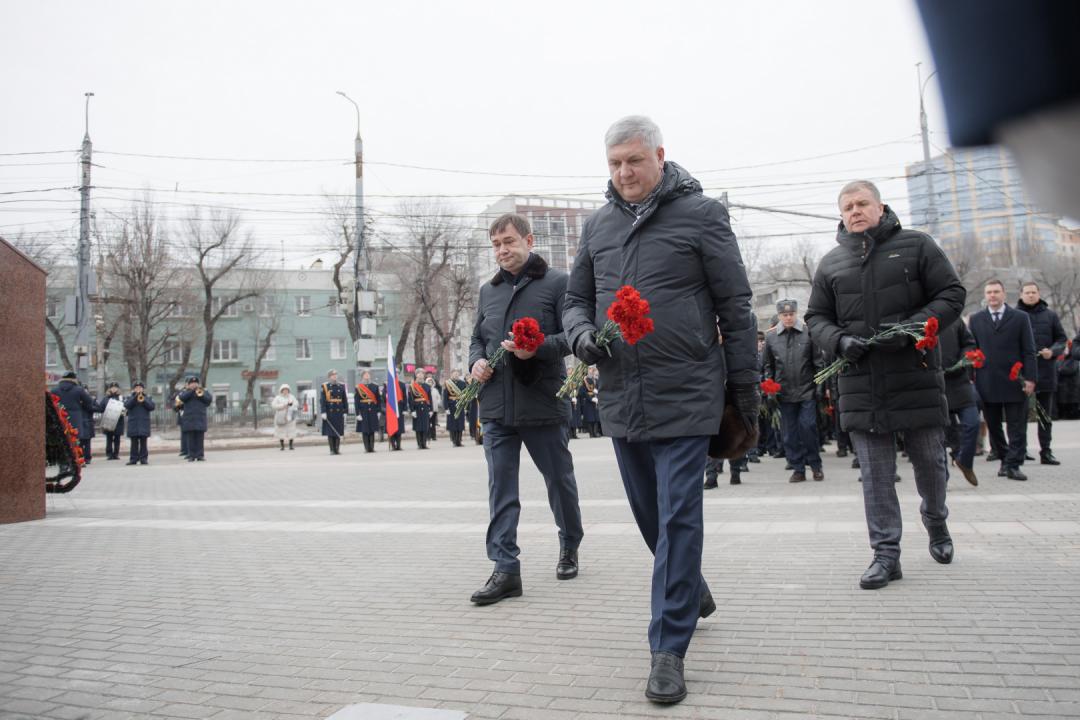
(217, 356)
(338, 348)
(52, 354)
(302, 303)
(218, 300)
(305, 344)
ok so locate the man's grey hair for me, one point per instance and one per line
(856, 186)
(634, 127)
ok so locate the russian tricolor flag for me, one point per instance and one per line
(392, 389)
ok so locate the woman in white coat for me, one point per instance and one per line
(285, 408)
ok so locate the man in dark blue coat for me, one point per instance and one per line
(139, 406)
(1004, 335)
(193, 423)
(367, 400)
(112, 437)
(333, 407)
(455, 424)
(518, 403)
(663, 399)
(80, 409)
(1050, 340)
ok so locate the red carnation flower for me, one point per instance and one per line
(770, 386)
(930, 329)
(628, 312)
(527, 334)
(926, 343)
(1014, 373)
(977, 358)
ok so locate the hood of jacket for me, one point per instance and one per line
(1033, 309)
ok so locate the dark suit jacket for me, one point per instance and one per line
(1010, 341)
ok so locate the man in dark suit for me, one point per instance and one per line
(1050, 339)
(1005, 337)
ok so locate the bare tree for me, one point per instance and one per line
(796, 266)
(145, 290)
(430, 259)
(264, 329)
(1058, 277)
(217, 248)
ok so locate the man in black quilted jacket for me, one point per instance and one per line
(879, 275)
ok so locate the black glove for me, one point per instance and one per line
(853, 347)
(897, 342)
(586, 349)
(746, 397)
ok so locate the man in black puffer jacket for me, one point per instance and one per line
(663, 397)
(1050, 339)
(882, 275)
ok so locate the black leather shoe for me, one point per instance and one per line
(968, 473)
(855, 463)
(499, 586)
(941, 547)
(708, 605)
(1028, 457)
(879, 574)
(566, 568)
(666, 684)
(710, 484)
(1047, 458)
(1002, 471)
(992, 456)
(797, 477)
(131, 462)
(753, 458)
(842, 452)
(1015, 474)
(736, 477)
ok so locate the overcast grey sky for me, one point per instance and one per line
(740, 90)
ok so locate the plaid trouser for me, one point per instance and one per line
(877, 460)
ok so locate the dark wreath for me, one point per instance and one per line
(63, 456)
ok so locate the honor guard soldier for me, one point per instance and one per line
(193, 423)
(139, 405)
(80, 409)
(113, 432)
(366, 398)
(333, 407)
(420, 406)
(455, 426)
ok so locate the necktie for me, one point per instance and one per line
(997, 316)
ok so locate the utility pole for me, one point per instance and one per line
(360, 259)
(83, 316)
(931, 205)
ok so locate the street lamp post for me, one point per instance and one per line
(358, 264)
(931, 207)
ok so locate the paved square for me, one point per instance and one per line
(263, 584)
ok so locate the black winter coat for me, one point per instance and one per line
(874, 279)
(1004, 344)
(1068, 392)
(792, 360)
(678, 250)
(194, 418)
(522, 392)
(79, 406)
(956, 340)
(1048, 332)
(138, 415)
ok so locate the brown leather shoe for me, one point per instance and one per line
(797, 477)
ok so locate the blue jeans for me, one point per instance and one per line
(801, 441)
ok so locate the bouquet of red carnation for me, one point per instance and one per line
(770, 409)
(925, 335)
(972, 359)
(526, 334)
(626, 319)
(1016, 374)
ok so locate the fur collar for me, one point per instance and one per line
(536, 267)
